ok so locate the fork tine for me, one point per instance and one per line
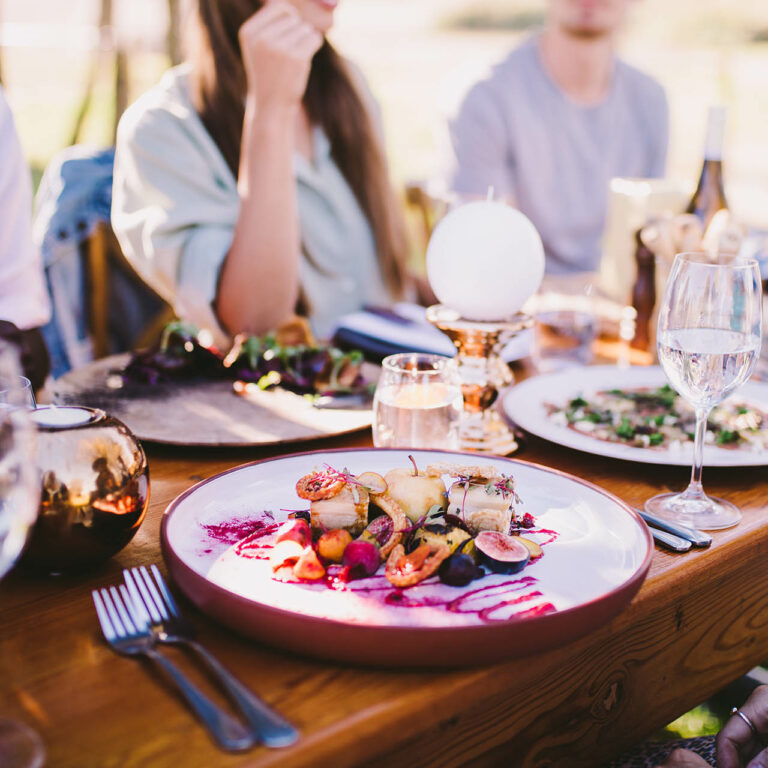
(153, 591)
(164, 591)
(101, 612)
(122, 610)
(139, 611)
(149, 603)
(114, 618)
(139, 618)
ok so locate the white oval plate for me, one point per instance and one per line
(525, 404)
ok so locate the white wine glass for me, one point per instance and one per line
(20, 747)
(708, 342)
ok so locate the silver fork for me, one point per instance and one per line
(169, 626)
(129, 634)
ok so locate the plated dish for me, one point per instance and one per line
(227, 540)
(633, 414)
(264, 391)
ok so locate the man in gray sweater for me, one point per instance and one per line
(555, 121)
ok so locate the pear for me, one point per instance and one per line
(415, 491)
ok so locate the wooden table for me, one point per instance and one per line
(699, 621)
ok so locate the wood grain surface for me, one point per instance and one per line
(699, 621)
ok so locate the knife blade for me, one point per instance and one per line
(670, 541)
(696, 537)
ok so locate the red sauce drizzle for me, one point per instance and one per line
(485, 602)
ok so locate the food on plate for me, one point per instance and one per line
(289, 358)
(355, 524)
(415, 490)
(458, 570)
(362, 555)
(436, 534)
(658, 418)
(481, 497)
(332, 544)
(308, 566)
(500, 552)
(337, 499)
(406, 570)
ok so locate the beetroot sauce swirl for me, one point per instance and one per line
(515, 599)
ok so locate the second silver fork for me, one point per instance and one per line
(169, 626)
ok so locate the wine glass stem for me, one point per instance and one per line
(695, 490)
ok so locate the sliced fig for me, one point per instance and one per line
(500, 552)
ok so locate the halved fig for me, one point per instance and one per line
(500, 552)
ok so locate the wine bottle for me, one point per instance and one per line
(709, 196)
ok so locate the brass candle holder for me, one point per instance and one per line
(483, 374)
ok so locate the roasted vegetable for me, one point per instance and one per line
(436, 534)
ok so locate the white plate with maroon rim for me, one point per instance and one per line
(597, 552)
(526, 404)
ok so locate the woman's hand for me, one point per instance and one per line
(737, 746)
(277, 49)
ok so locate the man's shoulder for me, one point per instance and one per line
(516, 65)
(641, 85)
(502, 82)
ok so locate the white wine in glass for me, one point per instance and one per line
(708, 341)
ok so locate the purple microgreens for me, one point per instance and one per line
(347, 477)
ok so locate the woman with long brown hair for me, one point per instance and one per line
(251, 182)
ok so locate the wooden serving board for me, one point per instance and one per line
(203, 413)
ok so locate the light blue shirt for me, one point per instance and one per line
(518, 132)
(175, 206)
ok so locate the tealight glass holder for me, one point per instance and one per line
(483, 374)
(417, 403)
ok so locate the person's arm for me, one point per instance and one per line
(259, 281)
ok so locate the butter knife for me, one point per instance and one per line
(696, 537)
(670, 541)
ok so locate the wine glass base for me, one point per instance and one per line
(20, 746)
(706, 513)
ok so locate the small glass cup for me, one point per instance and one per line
(16, 391)
(564, 331)
(418, 402)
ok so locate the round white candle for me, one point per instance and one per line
(485, 259)
(64, 416)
